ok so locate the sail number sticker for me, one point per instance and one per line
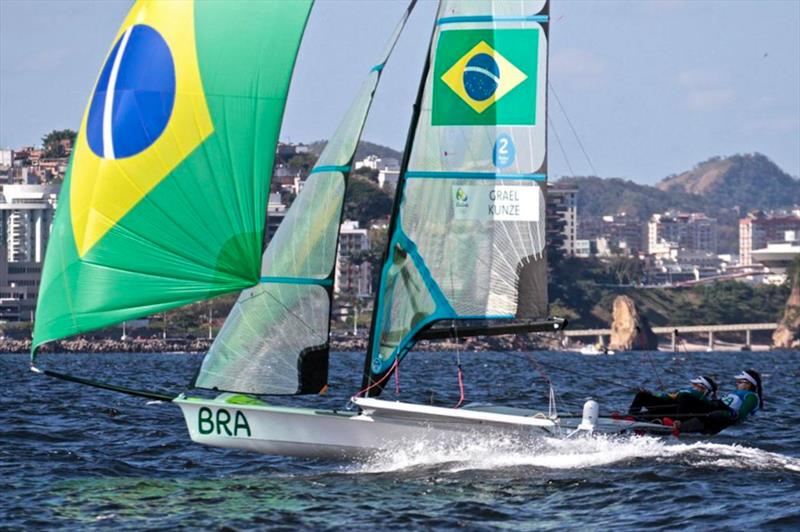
(496, 202)
(504, 151)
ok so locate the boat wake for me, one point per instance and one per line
(552, 453)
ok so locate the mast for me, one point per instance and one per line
(398, 198)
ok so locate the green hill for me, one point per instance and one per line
(749, 181)
(364, 148)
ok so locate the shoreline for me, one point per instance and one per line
(338, 344)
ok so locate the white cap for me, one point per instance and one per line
(702, 381)
(744, 376)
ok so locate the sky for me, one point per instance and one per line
(638, 89)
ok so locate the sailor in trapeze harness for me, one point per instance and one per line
(652, 406)
(733, 408)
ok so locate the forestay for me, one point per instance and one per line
(165, 197)
(275, 341)
(467, 234)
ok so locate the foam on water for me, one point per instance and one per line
(578, 453)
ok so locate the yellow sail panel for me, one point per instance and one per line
(111, 174)
(164, 201)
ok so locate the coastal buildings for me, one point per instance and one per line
(388, 169)
(777, 257)
(276, 212)
(620, 234)
(562, 218)
(26, 218)
(758, 229)
(692, 231)
(353, 276)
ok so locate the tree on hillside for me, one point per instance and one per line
(366, 201)
(302, 162)
(53, 147)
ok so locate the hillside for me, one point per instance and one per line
(740, 182)
(598, 196)
(364, 148)
(746, 181)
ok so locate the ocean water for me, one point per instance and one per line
(74, 457)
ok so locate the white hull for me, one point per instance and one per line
(380, 425)
(594, 351)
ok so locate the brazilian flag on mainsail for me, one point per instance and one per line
(485, 77)
(164, 202)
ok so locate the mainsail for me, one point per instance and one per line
(467, 238)
(165, 199)
(275, 340)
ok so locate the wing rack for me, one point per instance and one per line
(492, 329)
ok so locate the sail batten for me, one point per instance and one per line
(467, 236)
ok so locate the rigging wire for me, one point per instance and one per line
(646, 357)
(459, 372)
(598, 379)
(574, 132)
(535, 363)
(560, 145)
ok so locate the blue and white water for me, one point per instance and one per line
(76, 457)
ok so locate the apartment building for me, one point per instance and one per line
(562, 218)
(758, 229)
(692, 231)
(353, 277)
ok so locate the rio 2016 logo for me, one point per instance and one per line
(221, 422)
(462, 199)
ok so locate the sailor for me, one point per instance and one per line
(651, 406)
(733, 408)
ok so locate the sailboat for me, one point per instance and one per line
(165, 201)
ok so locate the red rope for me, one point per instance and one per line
(377, 383)
(460, 387)
(397, 380)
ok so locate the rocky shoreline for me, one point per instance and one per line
(201, 345)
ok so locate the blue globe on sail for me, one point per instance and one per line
(134, 97)
(481, 77)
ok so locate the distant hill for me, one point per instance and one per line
(364, 148)
(598, 196)
(724, 188)
(746, 181)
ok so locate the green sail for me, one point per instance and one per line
(164, 202)
(275, 340)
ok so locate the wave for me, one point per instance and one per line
(471, 453)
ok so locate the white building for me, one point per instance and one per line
(6, 158)
(353, 278)
(777, 257)
(695, 232)
(26, 218)
(390, 176)
(388, 168)
(276, 212)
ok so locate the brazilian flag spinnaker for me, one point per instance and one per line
(165, 198)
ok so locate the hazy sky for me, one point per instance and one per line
(651, 87)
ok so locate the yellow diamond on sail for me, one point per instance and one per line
(482, 77)
(147, 114)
